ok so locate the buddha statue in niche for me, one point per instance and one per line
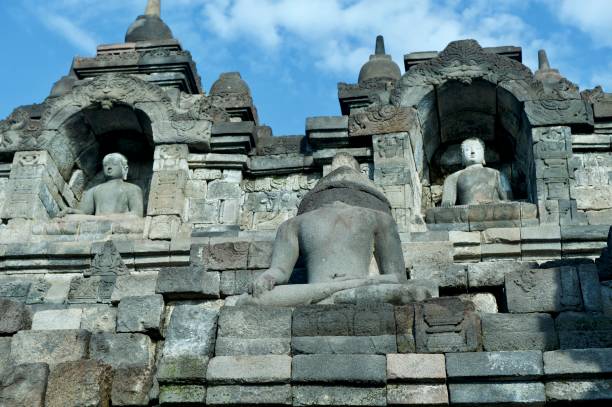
(341, 224)
(475, 184)
(115, 195)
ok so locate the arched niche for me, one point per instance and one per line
(456, 110)
(95, 131)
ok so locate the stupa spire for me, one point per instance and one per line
(543, 60)
(380, 46)
(153, 8)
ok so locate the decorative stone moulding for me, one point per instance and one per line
(481, 217)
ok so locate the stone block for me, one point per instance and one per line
(466, 245)
(80, 383)
(416, 367)
(509, 332)
(446, 325)
(578, 330)
(590, 287)
(474, 394)
(349, 369)
(236, 282)
(57, 319)
(190, 341)
(339, 396)
(131, 386)
(417, 395)
(472, 366)
(541, 242)
(132, 285)
(187, 283)
(260, 255)
(450, 276)
(99, 318)
(483, 302)
(182, 395)
(543, 290)
(575, 363)
(587, 392)
(492, 273)
(141, 314)
(121, 350)
(270, 395)
(257, 369)
(226, 256)
(253, 331)
(51, 347)
(219, 189)
(14, 317)
(381, 344)
(343, 320)
(91, 290)
(5, 353)
(427, 257)
(23, 385)
(404, 325)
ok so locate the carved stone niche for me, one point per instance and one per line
(477, 109)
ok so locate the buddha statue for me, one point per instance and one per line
(115, 196)
(341, 224)
(475, 184)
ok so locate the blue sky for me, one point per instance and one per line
(292, 53)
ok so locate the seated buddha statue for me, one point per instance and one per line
(115, 196)
(475, 184)
(341, 224)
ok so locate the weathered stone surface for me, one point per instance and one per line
(181, 395)
(260, 255)
(507, 332)
(23, 385)
(417, 395)
(578, 330)
(57, 319)
(226, 256)
(518, 365)
(473, 394)
(350, 369)
(381, 344)
(187, 283)
(270, 395)
(483, 302)
(253, 331)
(249, 369)
(14, 316)
(544, 290)
(590, 288)
(416, 367)
(344, 320)
(574, 391)
(338, 396)
(425, 258)
(87, 290)
(121, 350)
(5, 353)
(446, 324)
(80, 383)
(190, 341)
(51, 347)
(133, 285)
(99, 318)
(404, 325)
(492, 273)
(576, 362)
(131, 386)
(141, 314)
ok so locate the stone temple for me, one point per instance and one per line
(443, 240)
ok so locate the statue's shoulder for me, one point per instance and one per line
(133, 187)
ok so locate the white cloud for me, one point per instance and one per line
(70, 31)
(339, 35)
(594, 17)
